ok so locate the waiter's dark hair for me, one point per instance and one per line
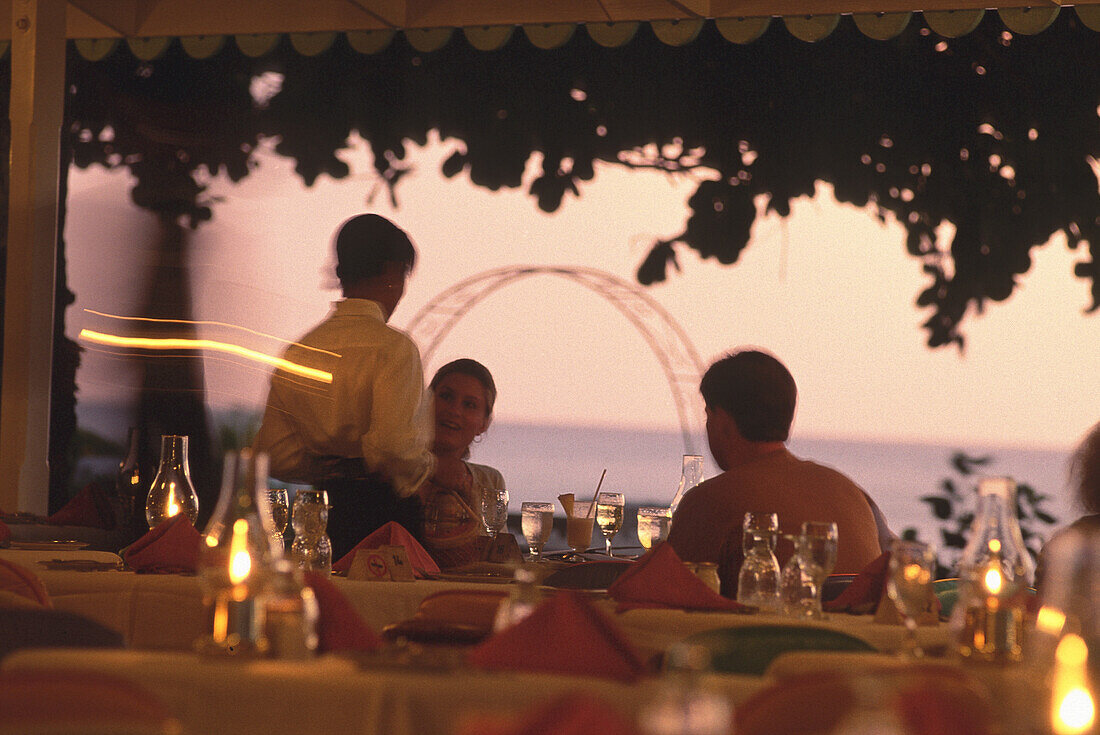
(756, 390)
(366, 243)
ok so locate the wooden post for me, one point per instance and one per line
(37, 103)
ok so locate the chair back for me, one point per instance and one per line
(749, 649)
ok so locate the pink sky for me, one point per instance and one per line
(829, 290)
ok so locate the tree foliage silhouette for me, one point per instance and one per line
(992, 133)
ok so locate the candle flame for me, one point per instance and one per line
(240, 563)
(1073, 708)
(173, 506)
(995, 546)
(1050, 620)
(994, 581)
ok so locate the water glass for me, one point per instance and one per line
(279, 501)
(798, 589)
(536, 522)
(311, 549)
(609, 516)
(653, 525)
(578, 529)
(494, 509)
(909, 585)
(821, 542)
(758, 579)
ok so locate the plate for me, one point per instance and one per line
(70, 545)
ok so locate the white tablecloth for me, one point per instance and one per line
(333, 695)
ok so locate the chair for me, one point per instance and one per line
(79, 703)
(450, 616)
(924, 699)
(589, 575)
(749, 649)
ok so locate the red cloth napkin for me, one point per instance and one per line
(5, 534)
(575, 713)
(91, 507)
(393, 534)
(339, 627)
(660, 579)
(564, 635)
(865, 592)
(170, 548)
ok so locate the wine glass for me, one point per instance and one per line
(821, 542)
(909, 585)
(494, 509)
(797, 588)
(755, 523)
(653, 525)
(312, 548)
(536, 522)
(279, 500)
(578, 529)
(609, 516)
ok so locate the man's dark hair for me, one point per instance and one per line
(756, 390)
(365, 243)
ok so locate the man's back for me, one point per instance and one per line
(707, 524)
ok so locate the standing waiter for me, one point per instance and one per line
(365, 437)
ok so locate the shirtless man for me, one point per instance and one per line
(750, 400)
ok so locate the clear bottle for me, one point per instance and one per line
(128, 500)
(691, 474)
(291, 614)
(172, 491)
(237, 556)
(758, 579)
(995, 570)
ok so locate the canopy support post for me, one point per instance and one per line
(37, 104)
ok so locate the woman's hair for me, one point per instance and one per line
(473, 368)
(1084, 471)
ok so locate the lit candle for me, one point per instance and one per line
(173, 506)
(1073, 709)
(240, 563)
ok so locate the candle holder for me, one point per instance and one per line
(236, 557)
(172, 491)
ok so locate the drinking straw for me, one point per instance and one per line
(592, 507)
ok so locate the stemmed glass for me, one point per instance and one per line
(312, 548)
(279, 500)
(653, 525)
(578, 530)
(821, 542)
(609, 516)
(909, 585)
(797, 588)
(494, 509)
(536, 521)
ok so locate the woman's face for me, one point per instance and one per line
(460, 412)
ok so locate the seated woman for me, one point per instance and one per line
(464, 394)
(1084, 473)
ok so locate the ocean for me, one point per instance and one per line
(539, 462)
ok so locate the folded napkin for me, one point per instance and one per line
(863, 595)
(563, 635)
(170, 548)
(22, 582)
(393, 534)
(5, 535)
(660, 579)
(575, 713)
(91, 507)
(339, 626)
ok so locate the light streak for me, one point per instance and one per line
(172, 343)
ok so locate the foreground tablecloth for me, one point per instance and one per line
(332, 694)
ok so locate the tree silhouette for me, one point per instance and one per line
(992, 133)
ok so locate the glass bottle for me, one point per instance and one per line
(172, 491)
(758, 579)
(291, 614)
(312, 548)
(236, 558)
(995, 570)
(127, 495)
(691, 474)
